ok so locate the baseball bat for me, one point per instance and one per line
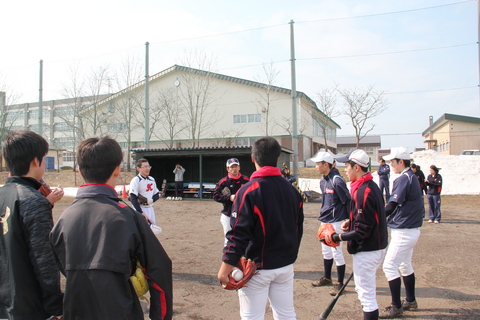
(332, 303)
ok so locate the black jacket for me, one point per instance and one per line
(268, 216)
(29, 277)
(96, 241)
(233, 185)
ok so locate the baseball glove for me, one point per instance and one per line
(139, 282)
(325, 233)
(142, 200)
(226, 191)
(248, 267)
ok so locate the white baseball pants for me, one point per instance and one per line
(225, 221)
(335, 253)
(365, 265)
(274, 285)
(398, 260)
(148, 211)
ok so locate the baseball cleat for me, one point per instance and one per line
(323, 281)
(336, 289)
(412, 306)
(391, 312)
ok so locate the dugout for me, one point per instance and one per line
(203, 165)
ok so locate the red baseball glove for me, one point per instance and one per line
(248, 267)
(325, 233)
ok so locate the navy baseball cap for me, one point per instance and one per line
(232, 161)
(345, 158)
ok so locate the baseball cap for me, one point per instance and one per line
(232, 161)
(323, 156)
(398, 153)
(358, 156)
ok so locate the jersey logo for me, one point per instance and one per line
(234, 215)
(149, 187)
(4, 221)
(328, 190)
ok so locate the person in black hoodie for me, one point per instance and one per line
(29, 278)
(98, 241)
(420, 176)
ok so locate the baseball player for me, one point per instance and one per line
(384, 176)
(365, 230)
(335, 205)
(434, 184)
(144, 191)
(420, 176)
(268, 228)
(405, 211)
(226, 189)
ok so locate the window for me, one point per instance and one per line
(68, 156)
(117, 127)
(65, 143)
(62, 126)
(247, 118)
(13, 116)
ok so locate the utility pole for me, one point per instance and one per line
(40, 101)
(294, 103)
(147, 109)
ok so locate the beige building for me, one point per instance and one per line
(452, 133)
(195, 108)
(187, 108)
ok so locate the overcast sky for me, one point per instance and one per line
(422, 53)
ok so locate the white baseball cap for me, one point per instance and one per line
(323, 156)
(398, 153)
(232, 161)
(358, 156)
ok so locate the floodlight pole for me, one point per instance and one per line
(40, 100)
(294, 103)
(147, 109)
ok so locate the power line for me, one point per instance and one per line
(387, 53)
(387, 13)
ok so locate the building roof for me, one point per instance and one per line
(452, 117)
(231, 150)
(345, 141)
(219, 77)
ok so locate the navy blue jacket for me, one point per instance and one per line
(383, 171)
(335, 198)
(267, 221)
(407, 194)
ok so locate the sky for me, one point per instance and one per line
(422, 54)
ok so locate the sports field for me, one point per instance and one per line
(446, 264)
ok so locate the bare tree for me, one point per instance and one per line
(8, 113)
(326, 104)
(171, 115)
(226, 137)
(124, 112)
(97, 85)
(362, 105)
(197, 89)
(264, 100)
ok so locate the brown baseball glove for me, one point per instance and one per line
(142, 200)
(248, 267)
(325, 233)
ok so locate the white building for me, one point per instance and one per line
(186, 108)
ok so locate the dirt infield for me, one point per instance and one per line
(446, 262)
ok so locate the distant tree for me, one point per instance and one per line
(362, 105)
(97, 84)
(171, 115)
(8, 112)
(327, 105)
(125, 113)
(265, 98)
(197, 90)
